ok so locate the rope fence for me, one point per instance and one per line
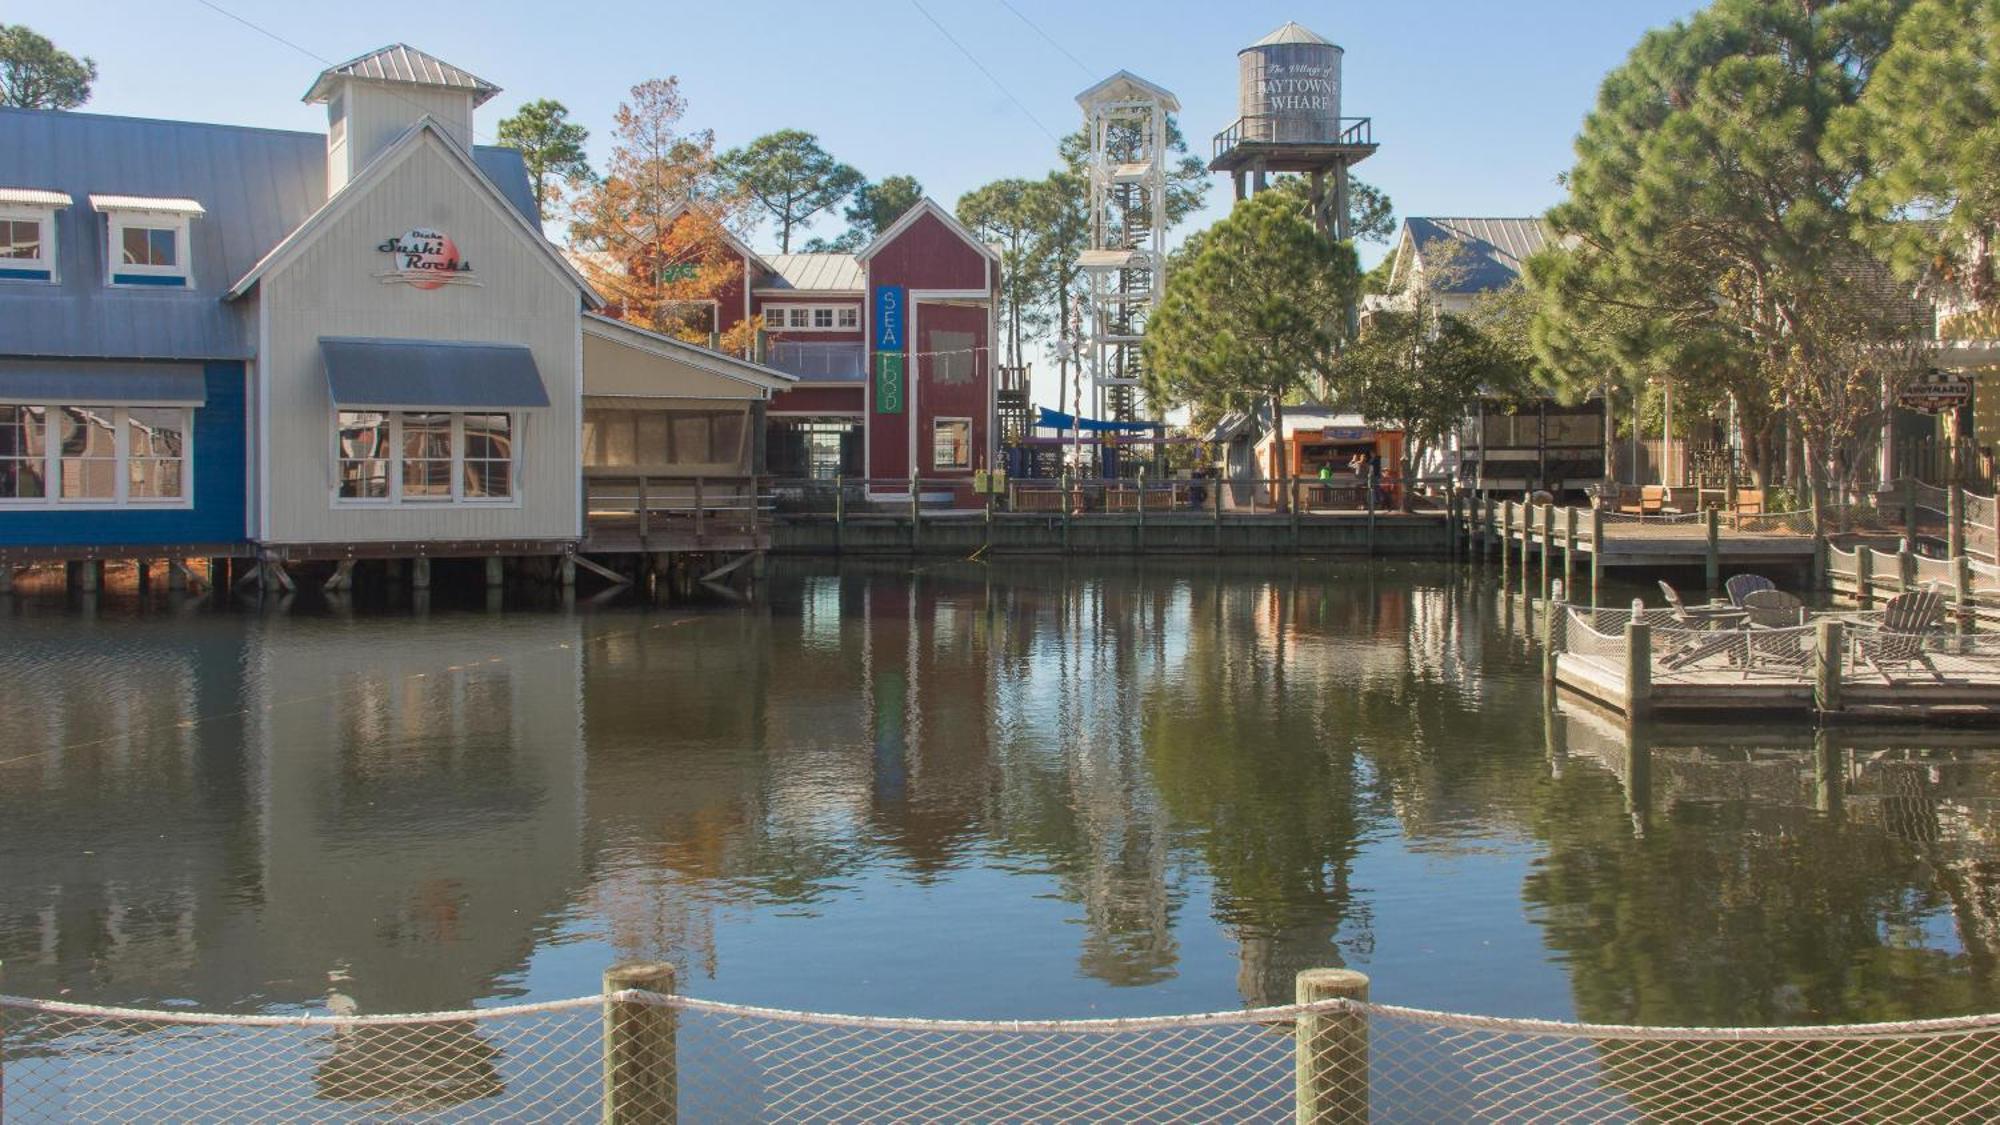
(633, 1055)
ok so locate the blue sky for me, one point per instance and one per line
(1475, 102)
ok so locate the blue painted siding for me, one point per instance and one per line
(220, 436)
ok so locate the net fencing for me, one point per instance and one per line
(645, 1057)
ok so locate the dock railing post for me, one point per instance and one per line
(1910, 509)
(1451, 519)
(1864, 574)
(640, 501)
(1506, 539)
(1961, 584)
(1596, 554)
(1486, 526)
(1569, 547)
(1954, 521)
(1371, 521)
(916, 511)
(700, 512)
(1330, 1050)
(1638, 664)
(1527, 538)
(1827, 652)
(1548, 547)
(839, 511)
(1906, 566)
(641, 1071)
(1553, 636)
(1712, 561)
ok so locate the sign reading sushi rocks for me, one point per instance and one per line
(426, 259)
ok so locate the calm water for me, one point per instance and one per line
(1007, 791)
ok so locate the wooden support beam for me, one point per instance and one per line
(601, 571)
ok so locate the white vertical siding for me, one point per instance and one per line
(330, 288)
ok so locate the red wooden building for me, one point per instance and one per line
(893, 350)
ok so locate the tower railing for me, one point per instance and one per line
(1266, 128)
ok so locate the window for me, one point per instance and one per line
(489, 457)
(427, 458)
(812, 318)
(27, 246)
(423, 457)
(951, 443)
(363, 468)
(156, 449)
(650, 440)
(24, 454)
(148, 239)
(56, 454)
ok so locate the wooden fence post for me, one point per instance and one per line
(1596, 555)
(1712, 562)
(1638, 664)
(1548, 546)
(1826, 664)
(1330, 1050)
(641, 1072)
(1552, 642)
(1954, 521)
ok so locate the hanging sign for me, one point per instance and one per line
(889, 318)
(888, 383)
(425, 259)
(1935, 392)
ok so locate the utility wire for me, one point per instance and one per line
(1052, 40)
(311, 54)
(980, 66)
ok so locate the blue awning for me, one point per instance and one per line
(388, 374)
(67, 382)
(1057, 420)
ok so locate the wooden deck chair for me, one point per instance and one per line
(1629, 501)
(1770, 611)
(1698, 616)
(1906, 618)
(1653, 500)
(1740, 586)
(1749, 501)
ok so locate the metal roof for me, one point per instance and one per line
(404, 64)
(1126, 86)
(385, 374)
(165, 205)
(74, 383)
(1495, 249)
(256, 185)
(34, 197)
(1291, 32)
(816, 272)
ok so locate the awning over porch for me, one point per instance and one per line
(93, 383)
(388, 374)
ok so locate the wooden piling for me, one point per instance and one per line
(1552, 642)
(641, 1069)
(1548, 547)
(1864, 575)
(1827, 654)
(1712, 560)
(1906, 567)
(496, 572)
(1506, 539)
(1527, 538)
(1638, 665)
(1569, 548)
(6, 579)
(1330, 1050)
(420, 573)
(218, 575)
(1596, 555)
(177, 576)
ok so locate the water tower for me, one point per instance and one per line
(1288, 96)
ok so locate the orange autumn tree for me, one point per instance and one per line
(652, 233)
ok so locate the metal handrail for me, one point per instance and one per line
(1350, 131)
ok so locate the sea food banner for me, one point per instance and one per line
(890, 339)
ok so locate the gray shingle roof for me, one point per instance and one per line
(255, 185)
(402, 63)
(1494, 248)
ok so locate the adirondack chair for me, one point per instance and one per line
(1741, 585)
(1749, 501)
(1652, 500)
(1699, 616)
(1774, 636)
(1906, 618)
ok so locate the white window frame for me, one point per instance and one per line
(804, 317)
(46, 216)
(121, 460)
(396, 499)
(936, 423)
(117, 222)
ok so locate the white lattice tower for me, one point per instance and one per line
(1125, 267)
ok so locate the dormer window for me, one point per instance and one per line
(147, 239)
(28, 233)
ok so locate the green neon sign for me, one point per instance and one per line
(888, 383)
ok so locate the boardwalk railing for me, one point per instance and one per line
(636, 512)
(937, 496)
(632, 1055)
